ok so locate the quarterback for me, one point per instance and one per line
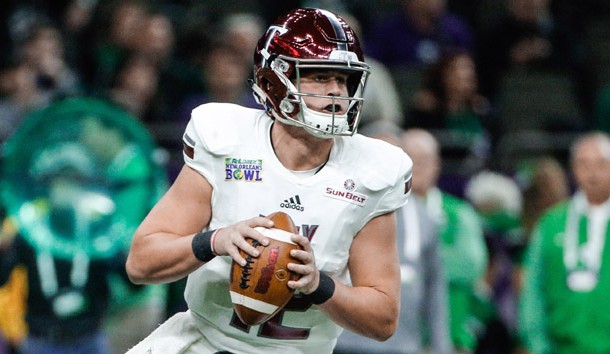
(301, 155)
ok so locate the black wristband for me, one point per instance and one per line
(325, 290)
(202, 246)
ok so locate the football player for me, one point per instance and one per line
(300, 154)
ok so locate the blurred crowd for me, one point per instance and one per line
(498, 92)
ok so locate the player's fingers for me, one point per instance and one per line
(234, 238)
(302, 269)
(302, 241)
(246, 233)
(236, 256)
(304, 283)
(294, 284)
(249, 247)
(260, 221)
(303, 256)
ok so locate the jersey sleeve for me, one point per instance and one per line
(398, 193)
(195, 152)
(386, 172)
(208, 135)
(211, 134)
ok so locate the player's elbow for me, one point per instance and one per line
(136, 273)
(386, 325)
(387, 329)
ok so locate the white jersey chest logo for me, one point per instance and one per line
(344, 195)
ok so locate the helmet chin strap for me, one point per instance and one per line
(318, 124)
(323, 125)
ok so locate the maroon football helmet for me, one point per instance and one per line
(309, 39)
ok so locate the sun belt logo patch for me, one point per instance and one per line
(346, 193)
(248, 170)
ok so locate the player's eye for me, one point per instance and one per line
(341, 79)
(325, 78)
(322, 77)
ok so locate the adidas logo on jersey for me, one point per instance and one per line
(293, 203)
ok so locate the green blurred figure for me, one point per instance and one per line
(77, 178)
(463, 249)
(567, 280)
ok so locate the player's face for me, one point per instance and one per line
(328, 83)
(591, 168)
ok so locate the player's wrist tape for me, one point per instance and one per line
(202, 246)
(325, 290)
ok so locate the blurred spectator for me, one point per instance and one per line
(381, 95)
(157, 42)
(135, 87)
(566, 283)
(449, 101)
(78, 37)
(498, 200)
(21, 94)
(241, 33)
(156, 39)
(77, 15)
(112, 33)
(423, 323)
(544, 183)
(530, 36)
(225, 78)
(416, 34)
(463, 251)
(43, 49)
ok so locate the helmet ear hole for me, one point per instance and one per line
(266, 79)
(267, 85)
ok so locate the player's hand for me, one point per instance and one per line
(310, 276)
(229, 240)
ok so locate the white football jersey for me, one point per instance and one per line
(230, 146)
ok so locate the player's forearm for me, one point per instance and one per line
(161, 258)
(367, 311)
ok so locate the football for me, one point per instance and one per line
(259, 289)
